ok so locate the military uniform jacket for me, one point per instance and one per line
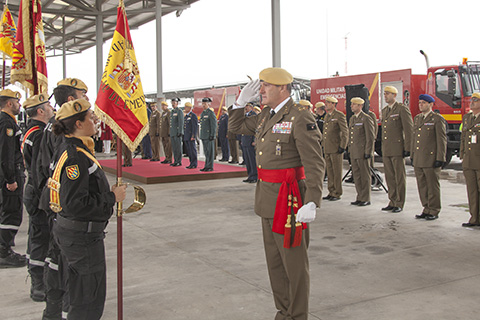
(208, 125)
(31, 148)
(176, 122)
(84, 191)
(362, 136)
(155, 119)
(223, 125)
(429, 140)
(397, 127)
(165, 124)
(11, 159)
(248, 140)
(470, 143)
(335, 132)
(191, 126)
(289, 139)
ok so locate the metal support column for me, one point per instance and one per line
(64, 49)
(99, 42)
(158, 5)
(276, 49)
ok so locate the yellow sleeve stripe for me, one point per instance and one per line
(54, 183)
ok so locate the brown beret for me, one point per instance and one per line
(390, 89)
(357, 100)
(71, 108)
(35, 100)
(276, 76)
(10, 93)
(331, 99)
(319, 104)
(74, 83)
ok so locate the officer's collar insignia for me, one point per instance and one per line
(72, 172)
(9, 132)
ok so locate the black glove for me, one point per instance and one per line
(341, 150)
(211, 138)
(438, 164)
(347, 156)
(406, 154)
(367, 156)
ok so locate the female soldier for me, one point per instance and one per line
(81, 196)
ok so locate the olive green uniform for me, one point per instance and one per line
(470, 154)
(335, 136)
(208, 132)
(155, 134)
(288, 139)
(397, 127)
(165, 135)
(429, 144)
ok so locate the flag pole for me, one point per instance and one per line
(119, 235)
(3, 72)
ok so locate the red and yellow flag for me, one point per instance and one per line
(120, 99)
(29, 65)
(7, 32)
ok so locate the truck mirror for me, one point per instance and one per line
(452, 82)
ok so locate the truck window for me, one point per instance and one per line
(471, 79)
(442, 85)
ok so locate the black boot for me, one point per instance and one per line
(53, 310)
(11, 259)
(37, 290)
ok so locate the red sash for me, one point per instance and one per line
(288, 192)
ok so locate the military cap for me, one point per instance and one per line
(71, 108)
(390, 89)
(305, 103)
(164, 103)
(331, 99)
(206, 99)
(357, 100)
(257, 109)
(35, 101)
(74, 83)
(476, 95)
(176, 99)
(188, 104)
(10, 94)
(249, 104)
(319, 104)
(426, 97)
(276, 76)
(224, 108)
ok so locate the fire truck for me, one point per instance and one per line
(452, 87)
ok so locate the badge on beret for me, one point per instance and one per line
(72, 172)
(77, 106)
(41, 98)
(9, 132)
(311, 126)
(73, 82)
(18, 95)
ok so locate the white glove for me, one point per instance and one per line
(249, 93)
(307, 213)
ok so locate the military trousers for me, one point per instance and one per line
(428, 184)
(11, 210)
(167, 148)
(191, 146)
(472, 180)
(289, 274)
(84, 254)
(396, 180)
(147, 147)
(233, 145)
(251, 163)
(208, 146)
(362, 178)
(225, 148)
(177, 149)
(334, 163)
(155, 147)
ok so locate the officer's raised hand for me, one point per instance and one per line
(249, 93)
(307, 213)
(120, 192)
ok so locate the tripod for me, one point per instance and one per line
(376, 176)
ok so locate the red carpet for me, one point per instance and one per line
(149, 172)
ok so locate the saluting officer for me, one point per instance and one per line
(429, 147)
(165, 133)
(470, 154)
(39, 112)
(397, 127)
(176, 132)
(154, 132)
(81, 196)
(335, 136)
(12, 178)
(360, 147)
(290, 172)
(190, 137)
(208, 131)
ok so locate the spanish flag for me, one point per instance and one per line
(120, 99)
(7, 32)
(29, 64)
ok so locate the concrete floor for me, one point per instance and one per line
(195, 252)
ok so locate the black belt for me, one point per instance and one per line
(85, 226)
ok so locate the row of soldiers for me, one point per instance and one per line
(33, 151)
(423, 139)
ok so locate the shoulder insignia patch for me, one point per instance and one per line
(311, 126)
(9, 132)
(72, 172)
